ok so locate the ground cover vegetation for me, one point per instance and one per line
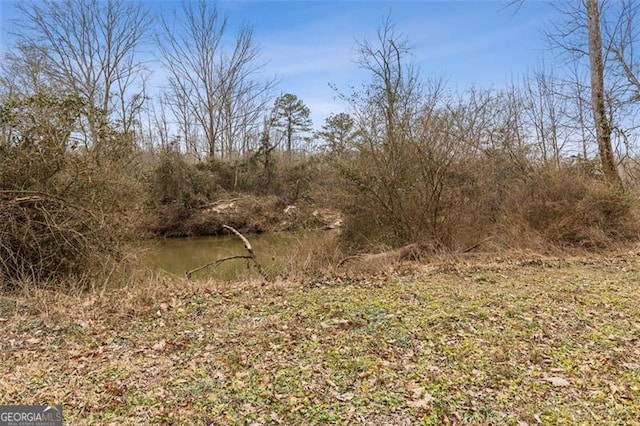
(518, 340)
(91, 162)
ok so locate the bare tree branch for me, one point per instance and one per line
(216, 89)
(89, 48)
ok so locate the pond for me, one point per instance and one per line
(178, 255)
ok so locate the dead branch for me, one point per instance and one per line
(8, 203)
(16, 196)
(217, 203)
(247, 246)
(408, 252)
(214, 263)
(476, 245)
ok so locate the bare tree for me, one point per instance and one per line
(602, 122)
(220, 90)
(580, 35)
(188, 129)
(160, 125)
(24, 72)
(545, 108)
(407, 141)
(89, 48)
(577, 94)
(626, 35)
(243, 98)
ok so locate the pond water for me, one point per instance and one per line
(178, 255)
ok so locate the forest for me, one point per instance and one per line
(483, 259)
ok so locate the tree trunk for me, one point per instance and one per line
(289, 136)
(603, 129)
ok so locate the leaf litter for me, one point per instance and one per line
(530, 343)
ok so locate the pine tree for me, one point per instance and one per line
(292, 116)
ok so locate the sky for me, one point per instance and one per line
(311, 45)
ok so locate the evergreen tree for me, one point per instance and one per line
(292, 116)
(339, 132)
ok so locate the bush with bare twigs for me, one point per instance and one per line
(455, 174)
(48, 241)
(64, 210)
(567, 208)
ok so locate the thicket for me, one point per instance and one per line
(65, 209)
(186, 198)
(483, 202)
(446, 187)
(458, 172)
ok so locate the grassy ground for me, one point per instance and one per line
(491, 342)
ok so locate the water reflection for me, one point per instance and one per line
(183, 254)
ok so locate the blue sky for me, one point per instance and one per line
(310, 44)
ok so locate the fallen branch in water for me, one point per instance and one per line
(247, 246)
(214, 263)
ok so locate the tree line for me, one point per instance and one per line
(218, 101)
(85, 146)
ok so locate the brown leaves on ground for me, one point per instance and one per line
(501, 342)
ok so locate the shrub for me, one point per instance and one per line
(568, 208)
(173, 181)
(509, 200)
(64, 209)
(51, 242)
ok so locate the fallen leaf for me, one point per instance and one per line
(347, 396)
(424, 402)
(614, 388)
(248, 408)
(275, 418)
(160, 346)
(557, 381)
(416, 390)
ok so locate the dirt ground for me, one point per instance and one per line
(246, 213)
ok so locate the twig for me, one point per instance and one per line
(476, 245)
(44, 195)
(219, 202)
(348, 258)
(214, 263)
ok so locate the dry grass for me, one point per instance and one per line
(476, 341)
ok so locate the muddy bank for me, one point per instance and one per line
(246, 213)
